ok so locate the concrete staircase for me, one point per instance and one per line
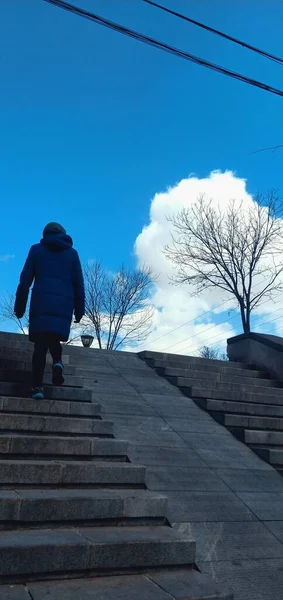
(72, 506)
(244, 399)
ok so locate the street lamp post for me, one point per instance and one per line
(87, 340)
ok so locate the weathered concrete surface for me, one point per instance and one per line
(71, 503)
(260, 350)
(174, 585)
(204, 471)
(214, 484)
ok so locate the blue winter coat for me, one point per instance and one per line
(58, 289)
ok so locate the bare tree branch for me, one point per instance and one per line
(117, 305)
(229, 249)
(211, 353)
(7, 313)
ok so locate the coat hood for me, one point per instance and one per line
(57, 242)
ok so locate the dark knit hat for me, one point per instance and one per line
(53, 228)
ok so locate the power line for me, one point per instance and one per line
(268, 55)
(270, 330)
(200, 333)
(212, 326)
(224, 336)
(262, 322)
(163, 46)
(189, 322)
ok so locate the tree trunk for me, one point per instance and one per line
(245, 318)
(248, 320)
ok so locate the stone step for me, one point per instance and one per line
(218, 407)
(263, 438)
(21, 365)
(62, 473)
(219, 381)
(273, 456)
(181, 360)
(183, 382)
(175, 584)
(25, 377)
(85, 550)
(51, 392)
(43, 447)
(266, 423)
(25, 507)
(50, 407)
(200, 392)
(15, 343)
(55, 425)
(25, 354)
(8, 335)
(216, 373)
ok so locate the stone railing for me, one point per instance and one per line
(259, 350)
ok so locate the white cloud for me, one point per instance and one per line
(6, 257)
(176, 305)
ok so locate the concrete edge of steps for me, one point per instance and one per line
(149, 355)
(65, 473)
(194, 392)
(25, 377)
(177, 584)
(21, 445)
(53, 424)
(87, 550)
(22, 390)
(194, 376)
(26, 507)
(50, 407)
(16, 364)
(250, 411)
(217, 407)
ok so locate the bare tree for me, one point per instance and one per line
(7, 313)
(229, 249)
(211, 353)
(117, 306)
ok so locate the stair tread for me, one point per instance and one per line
(58, 425)
(97, 535)
(65, 493)
(43, 507)
(199, 371)
(178, 584)
(243, 408)
(100, 464)
(198, 392)
(216, 386)
(256, 421)
(24, 376)
(49, 445)
(163, 356)
(20, 405)
(52, 392)
(59, 472)
(87, 549)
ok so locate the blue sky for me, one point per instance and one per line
(93, 124)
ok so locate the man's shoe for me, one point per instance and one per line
(57, 374)
(37, 393)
